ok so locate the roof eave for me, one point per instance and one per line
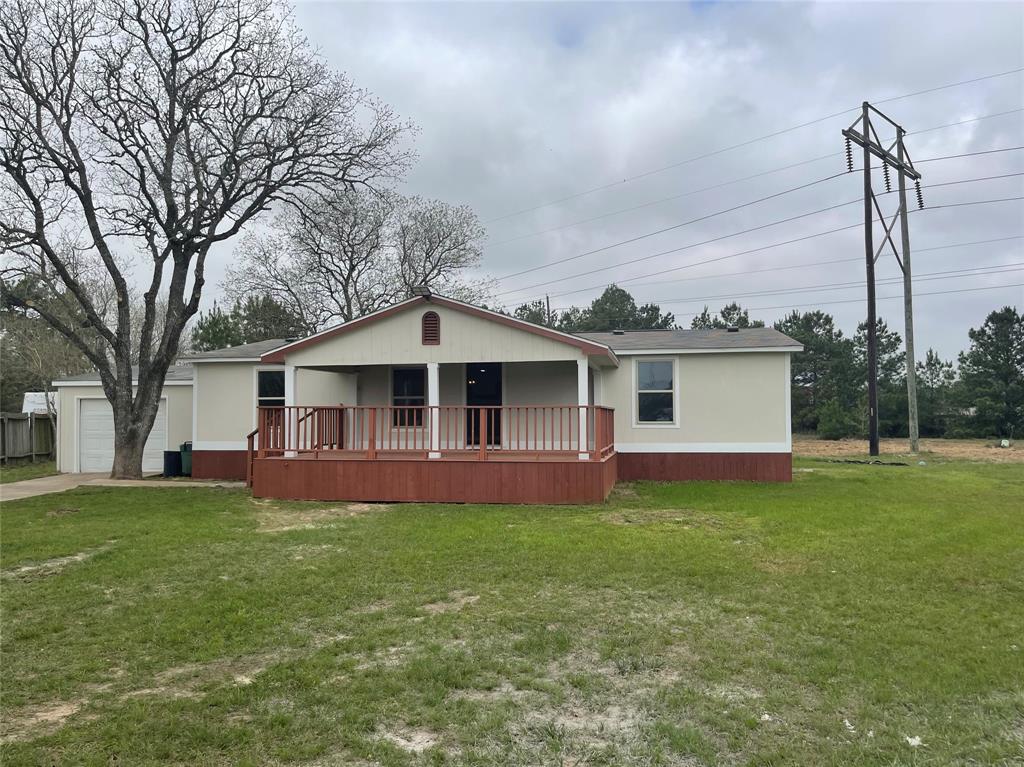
(712, 350)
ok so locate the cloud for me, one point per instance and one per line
(520, 104)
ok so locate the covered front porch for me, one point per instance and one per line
(514, 432)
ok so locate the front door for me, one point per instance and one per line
(483, 389)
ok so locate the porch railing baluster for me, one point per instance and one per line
(304, 430)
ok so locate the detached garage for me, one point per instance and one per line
(85, 423)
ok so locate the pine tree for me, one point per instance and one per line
(991, 389)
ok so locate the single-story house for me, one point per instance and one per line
(433, 399)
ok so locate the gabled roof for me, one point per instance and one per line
(743, 339)
(585, 345)
(604, 343)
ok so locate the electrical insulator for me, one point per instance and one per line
(920, 196)
(849, 156)
(885, 172)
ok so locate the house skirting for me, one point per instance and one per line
(218, 464)
(435, 481)
(676, 467)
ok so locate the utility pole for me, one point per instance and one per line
(867, 138)
(547, 309)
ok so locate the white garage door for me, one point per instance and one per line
(96, 437)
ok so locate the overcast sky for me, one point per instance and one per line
(524, 104)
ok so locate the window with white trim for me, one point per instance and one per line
(270, 388)
(655, 392)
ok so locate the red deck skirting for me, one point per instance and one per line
(218, 464)
(675, 467)
(441, 481)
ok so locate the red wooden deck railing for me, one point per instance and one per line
(445, 429)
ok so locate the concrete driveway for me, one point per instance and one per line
(58, 483)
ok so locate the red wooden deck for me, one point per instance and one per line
(454, 454)
(450, 479)
(557, 454)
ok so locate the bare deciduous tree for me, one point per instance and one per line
(143, 133)
(340, 257)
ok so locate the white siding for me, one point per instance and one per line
(396, 340)
(178, 419)
(724, 402)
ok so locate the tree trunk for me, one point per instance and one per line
(129, 444)
(52, 415)
(132, 425)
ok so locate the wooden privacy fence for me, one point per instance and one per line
(26, 435)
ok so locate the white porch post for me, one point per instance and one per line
(583, 397)
(290, 416)
(433, 411)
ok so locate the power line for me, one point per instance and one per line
(818, 304)
(977, 271)
(748, 142)
(880, 298)
(747, 231)
(763, 248)
(656, 232)
(965, 122)
(831, 155)
(805, 265)
(947, 274)
(707, 216)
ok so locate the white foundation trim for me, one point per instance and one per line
(703, 447)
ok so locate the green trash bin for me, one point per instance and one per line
(186, 458)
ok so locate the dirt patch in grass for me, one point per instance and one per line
(733, 693)
(412, 740)
(623, 490)
(686, 518)
(506, 691)
(63, 511)
(945, 449)
(611, 721)
(187, 681)
(54, 566)
(276, 519)
(374, 607)
(389, 657)
(455, 602)
(33, 721)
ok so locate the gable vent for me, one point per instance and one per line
(431, 325)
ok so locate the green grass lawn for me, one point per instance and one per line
(824, 622)
(16, 472)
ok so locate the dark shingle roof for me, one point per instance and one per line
(242, 351)
(174, 373)
(744, 338)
